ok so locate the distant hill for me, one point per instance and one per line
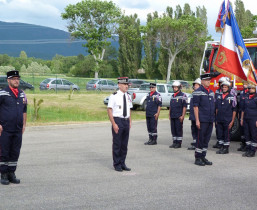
(38, 41)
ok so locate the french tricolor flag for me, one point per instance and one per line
(233, 58)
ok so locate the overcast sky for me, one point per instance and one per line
(48, 12)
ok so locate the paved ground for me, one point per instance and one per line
(70, 167)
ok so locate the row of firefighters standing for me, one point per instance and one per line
(207, 108)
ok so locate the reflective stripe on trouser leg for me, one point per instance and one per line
(204, 135)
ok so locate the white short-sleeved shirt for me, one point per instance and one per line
(116, 104)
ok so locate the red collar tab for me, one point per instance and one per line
(208, 89)
(175, 94)
(251, 96)
(224, 95)
(15, 91)
(151, 93)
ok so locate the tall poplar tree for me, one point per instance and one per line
(130, 50)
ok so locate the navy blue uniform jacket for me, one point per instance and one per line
(250, 107)
(152, 104)
(177, 103)
(204, 100)
(12, 109)
(225, 108)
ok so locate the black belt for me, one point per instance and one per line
(121, 118)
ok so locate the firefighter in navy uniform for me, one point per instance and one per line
(225, 117)
(153, 108)
(218, 92)
(243, 95)
(196, 85)
(13, 108)
(249, 121)
(204, 110)
(178, 105)
(118, 110)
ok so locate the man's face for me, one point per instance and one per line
(206, 82)
(252, 90)
(224, 88)
(196, 86)
(123, 87)
(245, 85)
(14, 82)
(175, 88)
(152, 89)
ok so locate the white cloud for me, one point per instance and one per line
(48, 12)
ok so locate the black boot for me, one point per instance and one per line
(178, 145)
(219, 151)
(250, 154)
(4, 179)
(199, 162)
(217, 145)
(224, 150)
(12, 178)
(173, 145)
(241, 148)
(207, 162)
(246, 153)
(191, 148)
(153, 142)
(146, 143)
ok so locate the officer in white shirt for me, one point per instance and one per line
(118, 110)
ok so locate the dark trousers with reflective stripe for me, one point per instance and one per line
(151, 124)
(194, 131)
(176, 130)
(10, 146)
(241, 129)
(203, 138)
(223, 133)
(120, 142)
(250, 132)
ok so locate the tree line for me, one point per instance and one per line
(168, 45)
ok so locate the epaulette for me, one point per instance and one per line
(115, 93)
(128, 93)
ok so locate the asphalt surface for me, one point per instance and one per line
(70, 167)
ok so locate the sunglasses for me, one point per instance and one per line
(152, 87)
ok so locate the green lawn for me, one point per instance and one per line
(83, 107)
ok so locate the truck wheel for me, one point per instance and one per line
(144, 105)
(235, 131)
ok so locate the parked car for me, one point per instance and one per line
(135, 83)
(184, 84)
(23, 85)
(101, 84)
(139, 96)
(59, 84)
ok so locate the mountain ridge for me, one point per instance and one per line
(38, 41)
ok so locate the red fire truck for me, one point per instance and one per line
(209, 56)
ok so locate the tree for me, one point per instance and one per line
(130, 51)
(150, 63)
(176, 35)
(240, 13)
(94, 21)
(23, 55)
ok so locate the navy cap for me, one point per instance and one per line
(152, 84)
(123, 80)
(205, 76)
(12, 73)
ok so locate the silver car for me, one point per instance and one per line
(101, 84)
(57, 84)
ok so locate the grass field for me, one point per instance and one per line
(83, 107)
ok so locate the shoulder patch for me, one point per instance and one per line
(115, 93)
